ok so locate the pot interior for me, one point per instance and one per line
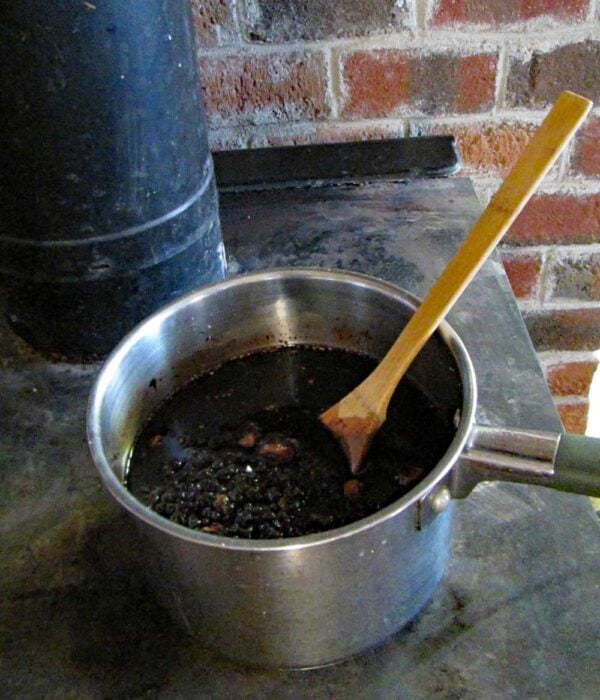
(256, 312)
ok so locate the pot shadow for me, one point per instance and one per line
(121, 639)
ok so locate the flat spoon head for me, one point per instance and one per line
(354, 433)
(357, 417)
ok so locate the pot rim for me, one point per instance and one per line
(126, 499)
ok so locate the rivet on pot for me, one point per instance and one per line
(440, 499)
(431, 506)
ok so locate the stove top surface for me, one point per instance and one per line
(516, 614)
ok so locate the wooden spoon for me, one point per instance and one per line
(356, 418)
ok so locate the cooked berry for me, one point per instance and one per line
(242, 452)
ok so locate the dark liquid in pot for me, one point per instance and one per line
(240, 451)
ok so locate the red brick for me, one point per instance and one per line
(574, 416)
(385, 82)
(564, 329)
(378, 83)
(539, 80)
(263, 88)
(576, 276)
(523, 271)
(492, 12)
(571, 378)
(214, 23)
(477, 83)
(328, 133)
(485, 148)
(557, 218)
(273, 21)
(586, 153)
(235, 137)
(560, 9)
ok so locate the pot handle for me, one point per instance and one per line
(557, 460)
(577, 465)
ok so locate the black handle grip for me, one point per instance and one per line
(577, 465)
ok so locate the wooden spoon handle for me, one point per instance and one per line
(534, 162)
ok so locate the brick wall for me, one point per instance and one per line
(309, 71)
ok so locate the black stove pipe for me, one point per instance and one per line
(108, 205)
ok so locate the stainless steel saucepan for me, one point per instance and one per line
(312, 600)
